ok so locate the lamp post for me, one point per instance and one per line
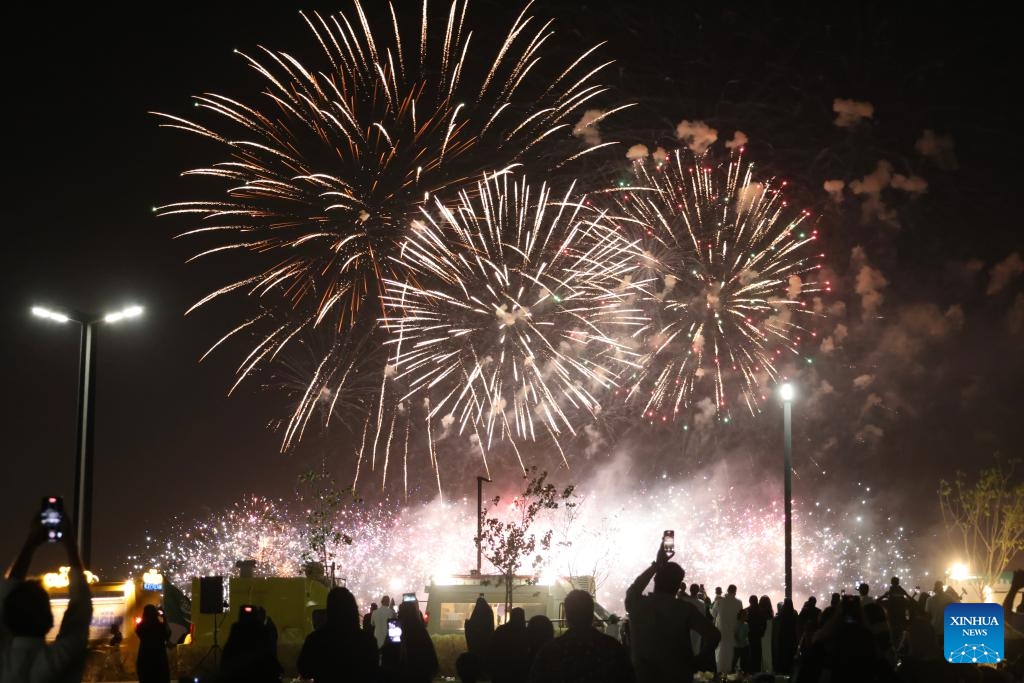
(86, 409)
(479, 520)
(786, 394)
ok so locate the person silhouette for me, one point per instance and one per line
(809, 615)
(25, 612)
(508, 662)
(785, 638)
(153, 632)
(582, 654)
(755, 632)
(897, 605)
(247, 655)
(480, 629)
(844, 649)
(764, 605)
(414, 659)
(468, 667)
(379, 620)
(367, 626)
(725, 611)
(539, 632)
(339, 650)
(660, 625)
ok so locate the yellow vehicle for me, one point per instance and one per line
(289, 601)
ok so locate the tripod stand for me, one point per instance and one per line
(214, 649)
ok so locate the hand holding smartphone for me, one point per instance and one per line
(394, 631)
(51, 518)
(668, 544)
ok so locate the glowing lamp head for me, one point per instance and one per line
(786, 392)
(128, 312)
(959, 572)
(56, 317)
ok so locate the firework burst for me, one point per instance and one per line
(325, 376)
(725, 264)
(509, 320)
(322, 175)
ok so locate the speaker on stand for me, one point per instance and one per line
(211, 601)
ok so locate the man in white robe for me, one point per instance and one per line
(725, 610)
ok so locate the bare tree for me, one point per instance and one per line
(985, 519)
(511, 543)
(323, 501)
(595, 566)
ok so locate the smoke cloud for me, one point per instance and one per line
(869, 188)
(851, 112)
(637, 152)
(939, 149)
(1004, 272)
(870, 283)
(739, 140)
(835, 190)
(912, 184)
(795, 285)
(586, 127)
(697, 135)
(862, 382)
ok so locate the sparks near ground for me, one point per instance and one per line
(720, 539)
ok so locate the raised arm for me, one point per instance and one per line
(636, 590)
(78, 615)
(36, 537)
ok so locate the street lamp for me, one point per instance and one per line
(786, 394)
(86, 400)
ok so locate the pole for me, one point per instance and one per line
(479, 520)
(84, 454)
(787, 408)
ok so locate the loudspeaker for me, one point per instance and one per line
(211, 594)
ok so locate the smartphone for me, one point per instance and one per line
(668, 541)
(408, 597)
(51, 516)
(394, 631)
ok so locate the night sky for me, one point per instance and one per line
(924, 378)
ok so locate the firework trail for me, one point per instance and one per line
(726, 533)
(508, 322)
(728, 269)
(322, 175)
(324, 376)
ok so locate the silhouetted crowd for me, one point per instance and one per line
(671, 633)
